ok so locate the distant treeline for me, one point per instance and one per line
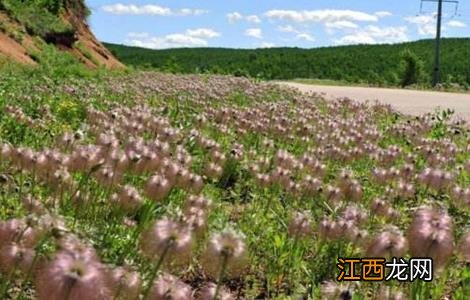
(398, 64)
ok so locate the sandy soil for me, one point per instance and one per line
(14, 50)
(406, 101)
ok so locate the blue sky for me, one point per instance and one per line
(270, 23)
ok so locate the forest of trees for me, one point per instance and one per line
(390, 65)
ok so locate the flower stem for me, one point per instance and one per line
(221, 275)
(155, 270)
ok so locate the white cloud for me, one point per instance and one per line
(341, 25)
(205, 33)
(299, 35)
(455, 23)
(191, 38)
(254, 32)
(305, 36)
(138, 35)
(426, 24)
(191, 12)
(267, 45)
(253, 19)
(150, 9)
(383, 14)
(326, 15)
(287, 28)
(375, 35)
(355, 39)
(179, 39)
(235, 16)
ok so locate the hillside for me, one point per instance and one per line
(31, 30)
(373, 64)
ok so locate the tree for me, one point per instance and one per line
(412, 68)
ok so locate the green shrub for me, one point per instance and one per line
(39, 17)
(412, 68)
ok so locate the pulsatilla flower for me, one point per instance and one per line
(430, 235)
(16, 256)
(300, 225)
(167, 239)
(464, 247)
(73, 247)
(128, 199)
(335, 291)
(387, 293)
(157, 187)
(389, 243)
(169, 287)
(328, 229)
(199, 202)
(226, 252)
(125, 284)
(72, 279)
(20, 230)
(209, 290)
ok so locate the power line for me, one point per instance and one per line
(436, 79)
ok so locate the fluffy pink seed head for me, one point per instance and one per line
(196, 184)
(128, 199)
(467, 166)
(300, 225)
(169, 287)
(355, 214)
(200, 201)
(332, 290)
(25, 231)
(15, 256)
(213, 170)
(464, 247)
(196, 219)
(157, 187)
(6, 152)
(73, 247)
(209, 290)
(68, 278)
(182, 178)
(11, 229)
(387, 293)
(328, 229)
(264, 180)
(125, 284)
(431, 235)
(379, 206)
(167, 235)
(389, 243)
(228, 245)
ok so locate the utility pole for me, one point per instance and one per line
(436, 78)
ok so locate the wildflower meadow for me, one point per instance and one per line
(141, 185)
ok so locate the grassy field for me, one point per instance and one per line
(115, 185)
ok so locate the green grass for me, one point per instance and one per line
(38, 18)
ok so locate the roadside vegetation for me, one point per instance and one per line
(378, 65)
(128, 184)
(41, 17)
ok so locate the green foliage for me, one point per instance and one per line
(368, 64)
(40, 17)
(412, 65)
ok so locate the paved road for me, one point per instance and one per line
(406, 101)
